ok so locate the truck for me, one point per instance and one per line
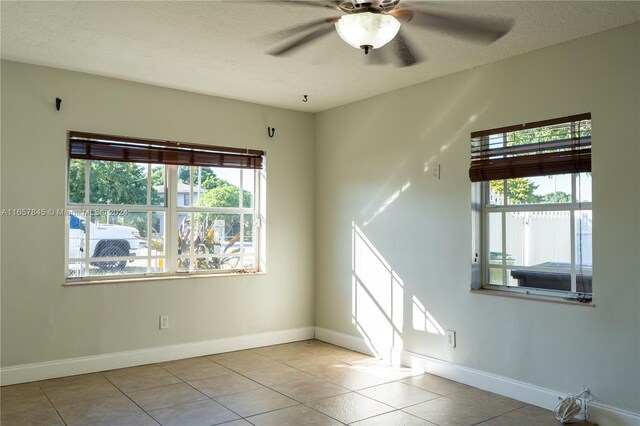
(106, 240)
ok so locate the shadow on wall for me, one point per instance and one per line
(377, 294)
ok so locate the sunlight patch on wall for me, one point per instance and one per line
(377, 298)
(388, 202)
(423, 320)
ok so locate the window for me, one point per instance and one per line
(151, 208)
(534, 208)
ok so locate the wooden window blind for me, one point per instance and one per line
(542, 148)
(93, 146)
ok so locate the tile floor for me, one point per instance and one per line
(301, 383)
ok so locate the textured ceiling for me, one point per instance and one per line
(218, 47)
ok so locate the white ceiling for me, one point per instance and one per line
(218, 47)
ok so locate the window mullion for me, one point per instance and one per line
(257, 220)
(572, 230)
(149, 218)
(87, 176)
(192, 222)
(87, 219)
(171, 221)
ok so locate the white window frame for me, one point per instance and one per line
(241, 210)
(481, 208)
(171, 210)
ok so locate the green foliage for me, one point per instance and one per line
(157, 176)
(556, 197)
(225, 195)
(546, 134)
(207, 178)
(76, 181)
(113, 182)
(520, 190)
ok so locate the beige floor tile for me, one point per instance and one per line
(395, 418)
(141, 378)
(255, 402)
(276, 375)
(525, 416)
(484, 398)
(200, 413)
(298, 415)
(98, 410)
(197, 371)
(320, 375)
(446, 411)
(318, 365)
(317, 346)
(248, 363)
(398, 394)
(308, 348)
(384, 369)
(290, 354)
(435, 384)
(165, 396)
(186, 361)
(309, 390)
(224, 385)
(22, 388)
(41, 417)
(139, 369)
(350, 407)
(81, 391)
(141, 419)
(71, 380)
(348, 356)
(239, 422)
(353, 380)
(24, 397)
(243, 354)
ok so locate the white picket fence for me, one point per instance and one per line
(533, 238)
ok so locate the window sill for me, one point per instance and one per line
(139, 279)
(532, 297)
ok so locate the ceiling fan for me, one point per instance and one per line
(369, 25)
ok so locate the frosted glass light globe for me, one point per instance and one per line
(367, 30)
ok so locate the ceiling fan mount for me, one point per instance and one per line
(380, 6)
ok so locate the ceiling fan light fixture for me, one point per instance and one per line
(367, 30)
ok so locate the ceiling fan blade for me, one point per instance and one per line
(300, 41)
(406, 54)
(289, 32)
(375, 57)
(316, 4)
(482, 30)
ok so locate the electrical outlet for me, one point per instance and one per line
(164, 321)
(451, 338)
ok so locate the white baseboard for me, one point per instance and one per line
(347, 341)
(90, 364)
(601, 414)
(515, 389)
(606, 415)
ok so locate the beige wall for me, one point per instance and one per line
(372, 186)
(43, 321)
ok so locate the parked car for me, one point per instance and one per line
(106, 240)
